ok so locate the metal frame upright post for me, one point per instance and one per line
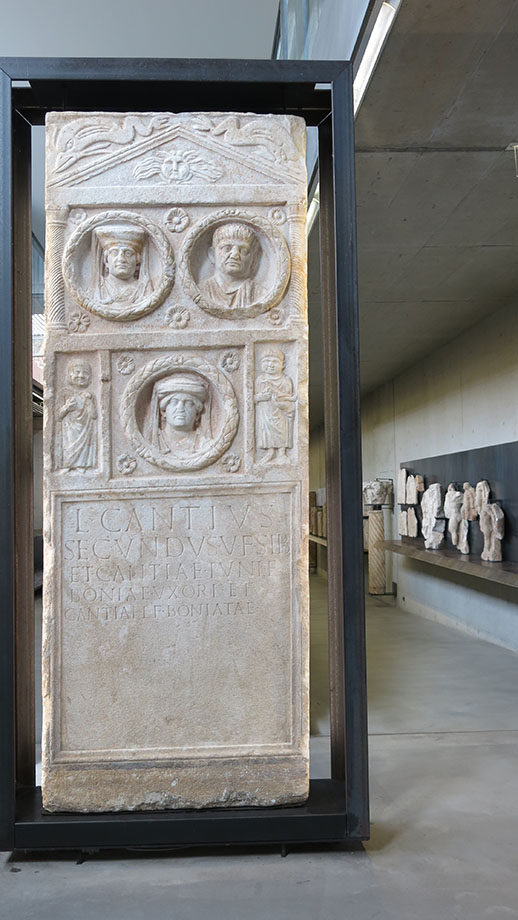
(337, 808)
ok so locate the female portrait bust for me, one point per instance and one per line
(120, 264)
(178, 404)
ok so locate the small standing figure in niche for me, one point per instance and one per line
(177, 406)
(275, 406)
(78, 418)
(120, 265)
(235, 252)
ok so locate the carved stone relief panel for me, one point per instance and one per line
(73, 438)
(160, 149)
(176, 463)
(235, 265)
(118, 265)
(275, 402)
(180, 412)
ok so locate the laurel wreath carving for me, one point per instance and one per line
(275, 244)
(161, 367)
(118, 313)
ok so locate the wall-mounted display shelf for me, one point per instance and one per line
(504, 573)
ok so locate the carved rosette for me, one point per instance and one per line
(274, 249)
(163, 367)
(79, 244)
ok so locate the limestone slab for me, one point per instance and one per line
(411, 490)
(412, 523)
(401, 486)
(175, 657)
(403, 523)
(433, 523)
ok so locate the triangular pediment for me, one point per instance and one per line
(173, 153)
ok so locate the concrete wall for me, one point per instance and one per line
(317, 479)
(463, 396)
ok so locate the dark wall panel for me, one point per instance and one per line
(499, 465)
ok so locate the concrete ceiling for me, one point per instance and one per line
(436, 191)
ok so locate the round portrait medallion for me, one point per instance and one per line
(235, 265)
(180, 412)
(118, 265)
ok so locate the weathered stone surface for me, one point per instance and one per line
(492, 525)
(453, 512)
(175, 651)
(492, 522)
(411, 490)
(468, 510)
(412, 523)
(401, 487)
(378, 492)
(403, 523)
(482, 493)
(433, 523)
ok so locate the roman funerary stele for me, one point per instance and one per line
(175, 650)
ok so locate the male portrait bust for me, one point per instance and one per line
(120, 264)
(234, 253)
(178, 403)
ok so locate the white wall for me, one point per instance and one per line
(133, 28)
(462, 396)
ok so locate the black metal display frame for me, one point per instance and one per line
(320, 92)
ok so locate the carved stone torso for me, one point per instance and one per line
(240, 295)
(112, 291)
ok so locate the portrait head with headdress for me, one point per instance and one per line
(180, 413)
(120, 264)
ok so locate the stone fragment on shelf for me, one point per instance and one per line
(411, 490)
(378, 492)
(403, 524)
(433, 523)
(452, 509)
(492, 525)
(413, 524)
(468, 511)
(401, 487)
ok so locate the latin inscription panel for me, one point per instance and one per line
(152, 583)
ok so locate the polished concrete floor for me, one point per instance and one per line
(443, 710)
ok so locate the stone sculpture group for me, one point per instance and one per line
(457, 507)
